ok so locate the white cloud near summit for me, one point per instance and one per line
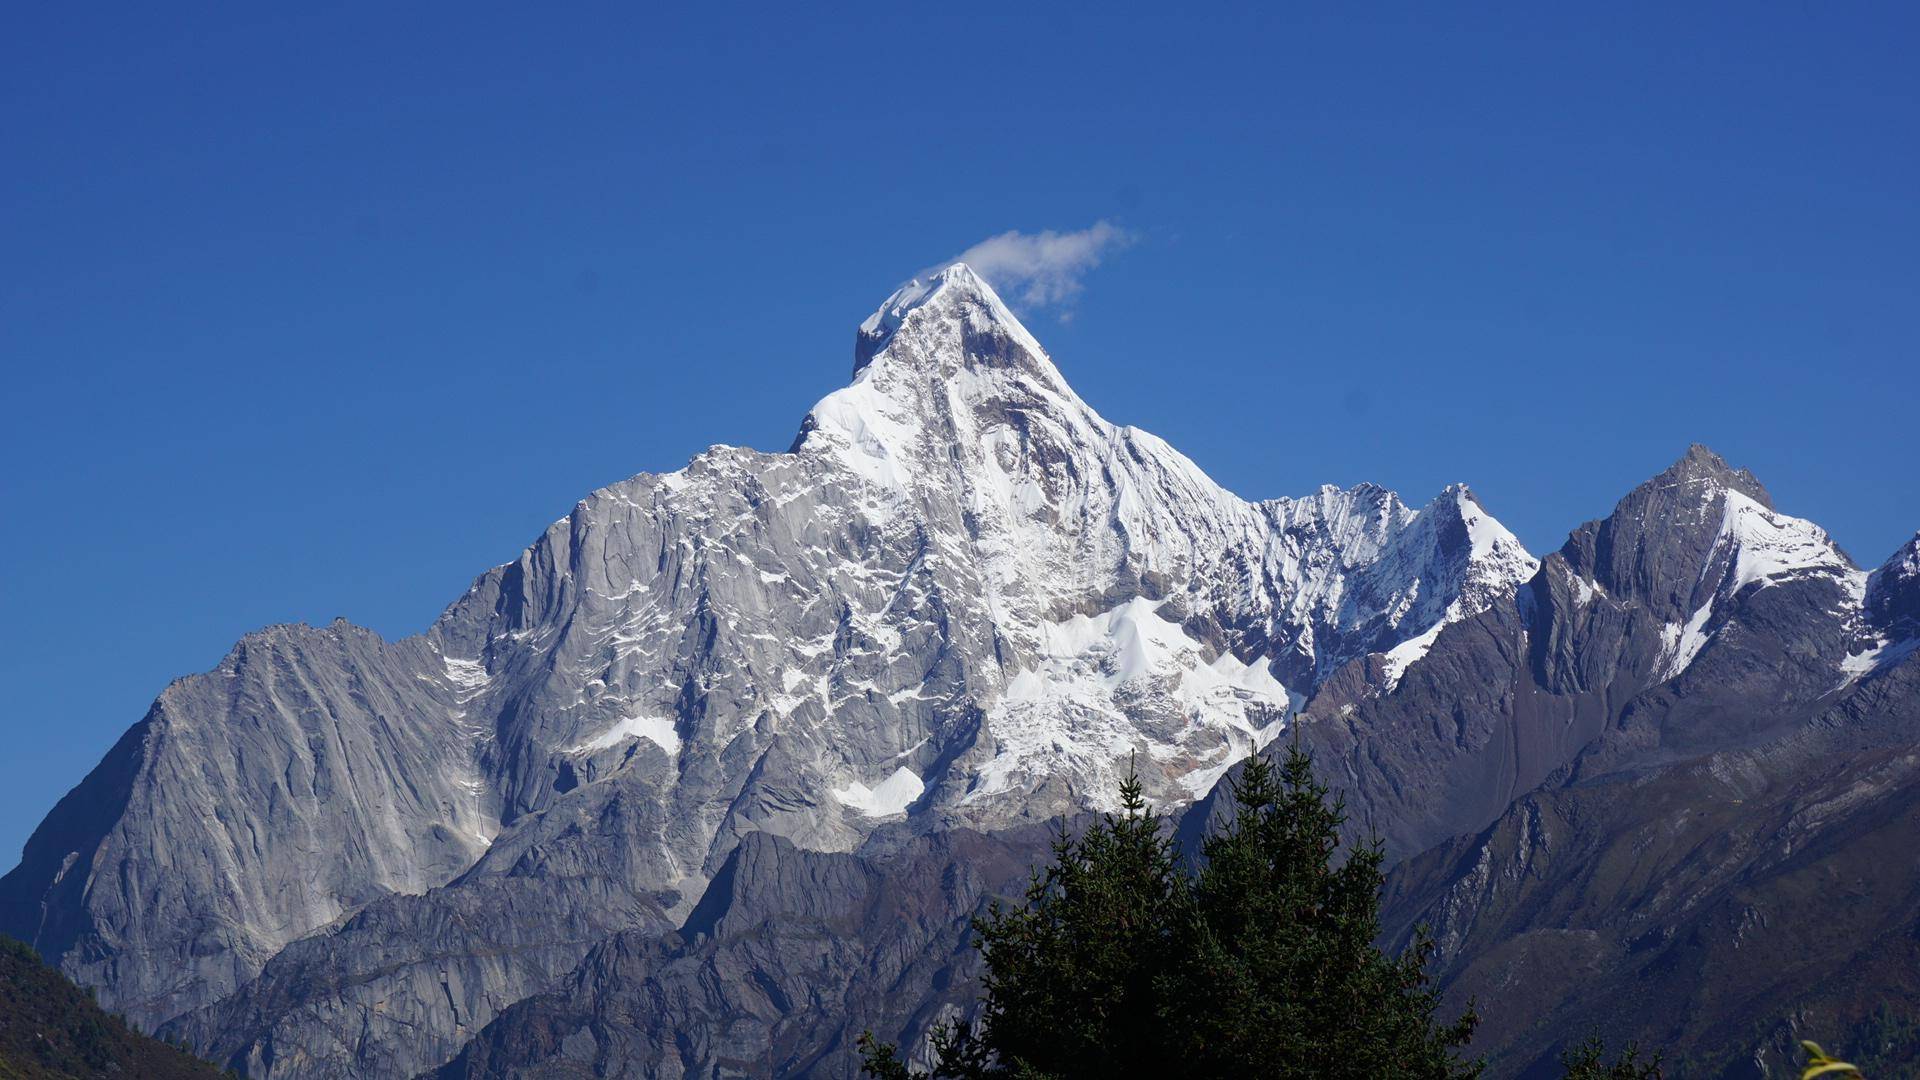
(1043, 269)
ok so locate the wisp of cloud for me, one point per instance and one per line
(1042, 269)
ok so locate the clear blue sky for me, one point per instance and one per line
(305, 315)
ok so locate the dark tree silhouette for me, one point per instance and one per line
(1588, 1061)
(1262, 964)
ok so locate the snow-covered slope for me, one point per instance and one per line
(1136, 606)
(1756, 545)
(1892, 599)
(1483, 561)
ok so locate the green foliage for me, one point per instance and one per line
(1279, 973)
(1071, 975)
(882, 1060)
(1263, 964)
(50, 1028)
(1588, 1061)
(1887, 1042)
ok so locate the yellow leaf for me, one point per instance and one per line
(1819, 1064)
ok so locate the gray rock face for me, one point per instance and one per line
(408, 979)
(963, 600)
(253, 804)
(789, 958)
(1893, 596)
(1694, 617)
(1708, 906)
(1656, 792)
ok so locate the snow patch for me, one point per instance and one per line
(659, 731)
(871, 432)
(1681, 644)
(1583, 590)
(470, 676)
(1396, 660)
(1071, 708)
(1771, 545)
(892, 796)
(1882, 654)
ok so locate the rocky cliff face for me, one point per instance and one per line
(1694, 617)
(787, 960)
(1707, 720)
(1721, 906)
(962, 600)
(1893, 608)
(312, 772)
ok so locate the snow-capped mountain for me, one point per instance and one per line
(1691, 546)
(716, 770)
(1741, 782)
(1531, 718)
(962, 599)
(1694, 598)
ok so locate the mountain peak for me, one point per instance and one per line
(941, 356)
(1702, 468)
(1457, 494)
(956, 288)
(1687, 545)
(919, 290)
(1893, 593)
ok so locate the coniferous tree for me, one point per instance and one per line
(1071, 980)
(1588, 1061)
(1278, 973)
(1119, 964)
